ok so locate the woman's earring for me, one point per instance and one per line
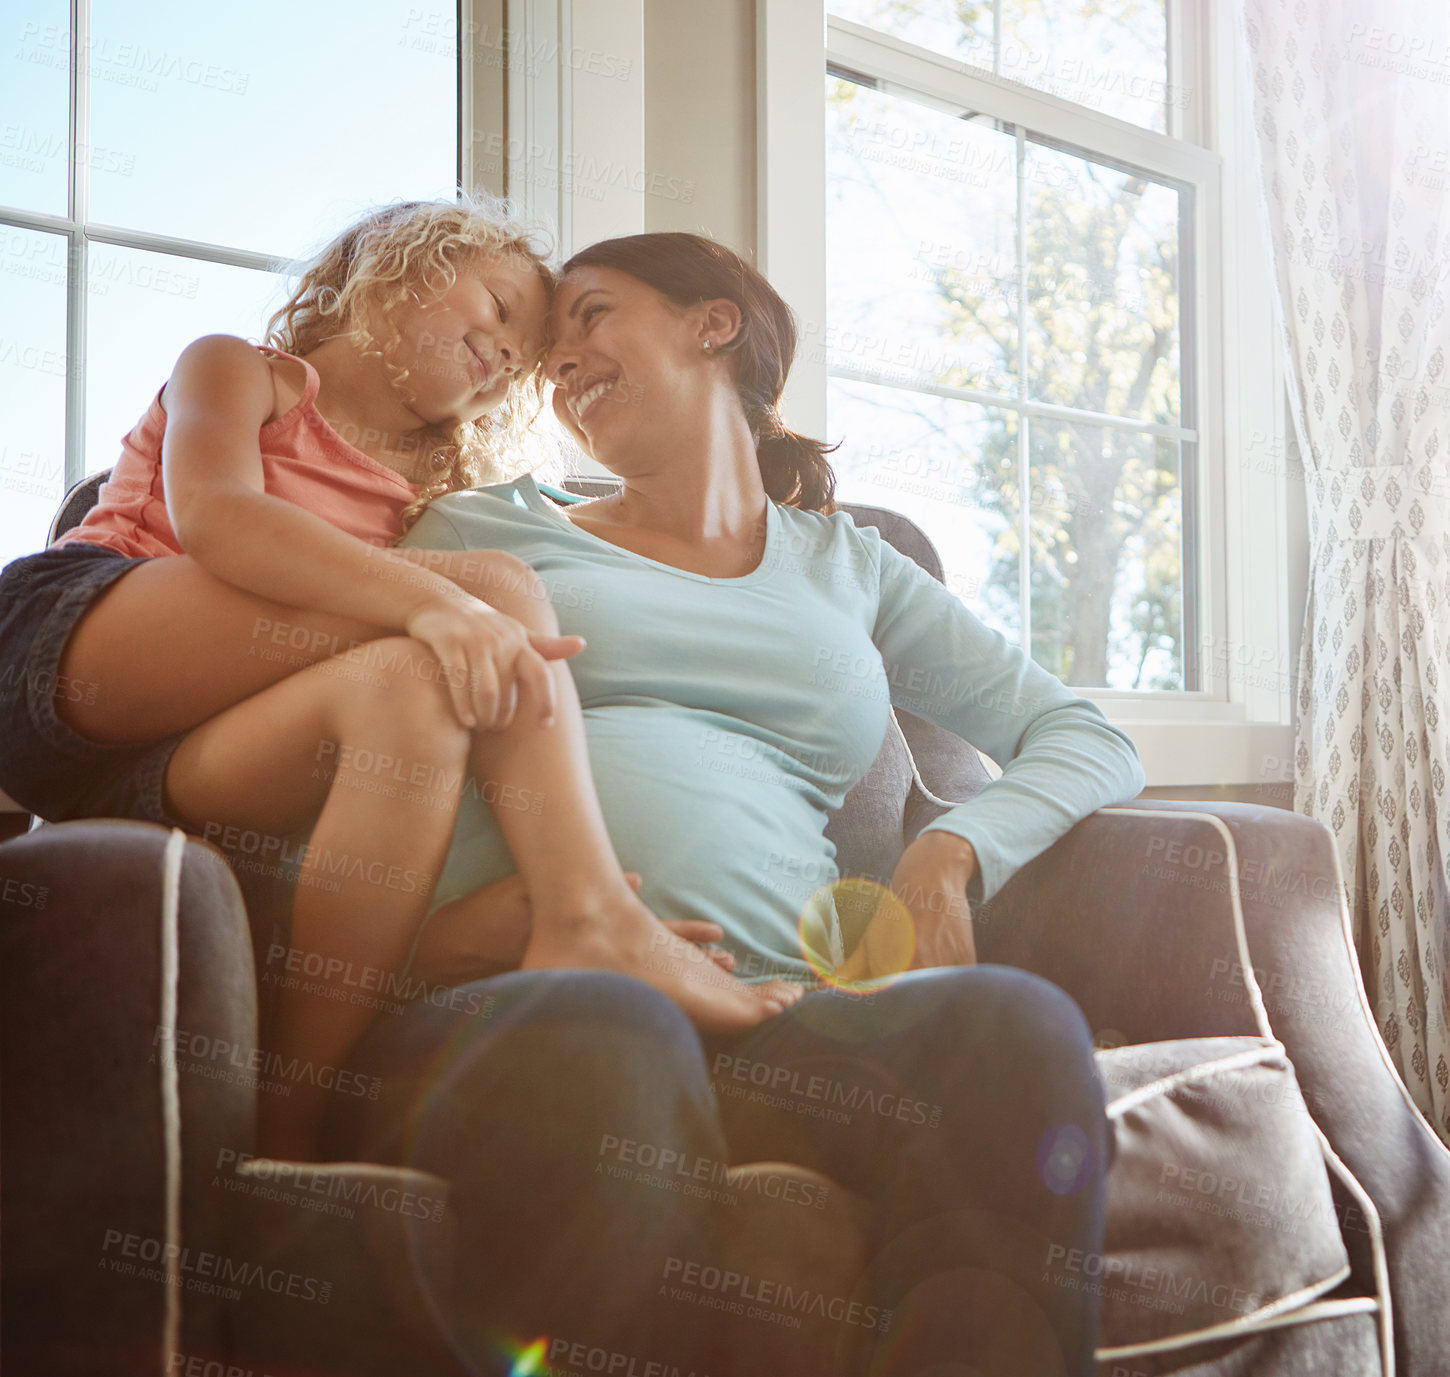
(706, 346)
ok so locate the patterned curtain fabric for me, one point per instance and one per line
(1351, 102)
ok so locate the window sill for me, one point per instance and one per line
(1194, 753)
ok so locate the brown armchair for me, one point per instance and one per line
(122, 1202)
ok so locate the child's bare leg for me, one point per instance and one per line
(169, 645)
(308, 747)
(583, 911)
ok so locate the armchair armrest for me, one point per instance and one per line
(1169, 920)
(87, 952)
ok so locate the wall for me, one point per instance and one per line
(700, 116)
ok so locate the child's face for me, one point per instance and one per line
(463, 349)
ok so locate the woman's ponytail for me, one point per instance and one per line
(689, 269)
(793, 467)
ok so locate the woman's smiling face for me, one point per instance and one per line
(620, 359)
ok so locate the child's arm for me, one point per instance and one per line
(218, 399)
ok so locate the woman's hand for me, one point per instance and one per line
(481, 934)
(485, 656)
(925, 920)
(485, 933)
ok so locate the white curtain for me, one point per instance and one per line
(1351, 102)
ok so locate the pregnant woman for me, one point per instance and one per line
(745, 644)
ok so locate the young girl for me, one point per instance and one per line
(229, 640)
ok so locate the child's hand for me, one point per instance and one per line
(485, 656)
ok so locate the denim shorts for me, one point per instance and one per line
(46, 766)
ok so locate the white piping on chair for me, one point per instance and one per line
(1255, 1056)
(911, 760)
(915, 773)
(1261, 1017)
(1285, 1311)
(170, 1088)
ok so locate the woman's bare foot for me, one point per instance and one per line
(621, 934)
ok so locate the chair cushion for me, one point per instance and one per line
(1220, 1216)
(348, 1267)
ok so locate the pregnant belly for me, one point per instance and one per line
(714, 827)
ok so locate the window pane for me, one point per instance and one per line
(942, 463)
(921, 252)
(269, 125)
(1107, 556)
(960, 30)
(32, 387)
(142, 311)
(34, 104)
(1109, 55)
(1102, 288)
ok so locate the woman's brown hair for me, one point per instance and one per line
(688, 269)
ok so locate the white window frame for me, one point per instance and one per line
(80, 231)
(1237, 729)
(564, 125)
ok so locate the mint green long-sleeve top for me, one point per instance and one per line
(725, 718)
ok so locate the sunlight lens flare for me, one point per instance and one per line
(529, 1361)
(886, 930)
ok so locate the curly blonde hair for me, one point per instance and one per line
(414, 250)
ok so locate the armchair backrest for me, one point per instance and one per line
(75, 504)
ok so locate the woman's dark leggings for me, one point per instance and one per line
(586, 1127)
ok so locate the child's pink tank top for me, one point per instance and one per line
(303, 460)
